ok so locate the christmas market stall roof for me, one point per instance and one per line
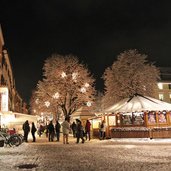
(83, 111)
(138, 103)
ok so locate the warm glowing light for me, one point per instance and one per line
(56, 95)
(47, 103)
(7, 119)
(34, 111)
(160, 85)
(63, 75)
(74, 75)
(37, 101)
(86, 85)
(88, 104)
(161, 96)
(4, 99)
(83, 90)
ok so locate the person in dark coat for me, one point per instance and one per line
(33, 130)
(87, 129)
(26, 129)
(79, 131)
(73, 127)
(57, 129)
(51, 131)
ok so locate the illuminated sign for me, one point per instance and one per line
(4, 99)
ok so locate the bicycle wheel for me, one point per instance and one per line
(21, 137)
(14, 140)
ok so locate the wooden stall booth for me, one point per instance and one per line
(138, 117)
(82, 114)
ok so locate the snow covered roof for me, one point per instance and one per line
(138, 103)
(83, 111)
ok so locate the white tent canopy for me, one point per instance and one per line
(138, 103)
(83, 111)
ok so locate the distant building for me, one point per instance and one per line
(164, 85)
(10, 99)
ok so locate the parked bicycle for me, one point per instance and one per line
(11, 140)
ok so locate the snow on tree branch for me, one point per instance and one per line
(67, 83)
(130, 74)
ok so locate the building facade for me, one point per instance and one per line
(10, 99)
(163, 91)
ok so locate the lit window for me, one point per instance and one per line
(169, 85)
(160, 85)
(170, 97)
(161, 96)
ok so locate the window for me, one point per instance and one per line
(162, 117)
(152, 118)
(169, 85)
(138, 118)
(112, 120)
(161, 97)
(160, 85)
(127, 119)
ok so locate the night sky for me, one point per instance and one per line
(94, 30)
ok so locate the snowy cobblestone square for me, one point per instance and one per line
(108, 155)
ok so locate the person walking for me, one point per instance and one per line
(87, 129)
(65, 130)
(103, 130)
(26, 129)
(57, 129)
(33, 130)
(73, 127)
(51, 131)
(79, 131)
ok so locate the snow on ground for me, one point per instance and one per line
(94, 155)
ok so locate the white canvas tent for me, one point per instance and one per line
(83, 112)
(138, 103)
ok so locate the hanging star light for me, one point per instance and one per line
(47, 103)
(74, 75)
(63, 75)
(37, 101)
(86, 85)
(83, 90)
(56, 95)
(88, 103)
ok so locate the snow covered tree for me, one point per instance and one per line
(98, 103)
(130, 74)
(66, 85)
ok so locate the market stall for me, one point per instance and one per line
(82, 114)
(139, 117)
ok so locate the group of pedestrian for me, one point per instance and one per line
(79, 131)
(53, 130)
(26, 129)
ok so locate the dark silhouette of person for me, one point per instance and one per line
(74, 127)
(79, 131)
(26, 129)
(57, 129)
(51, 131)
(33, 130)
(87, 129)
(40, 130)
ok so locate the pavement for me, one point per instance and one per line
(44, 140)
